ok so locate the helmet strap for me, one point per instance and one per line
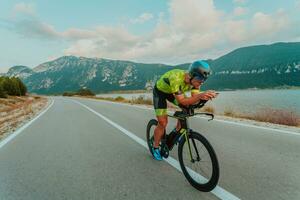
(191, 79)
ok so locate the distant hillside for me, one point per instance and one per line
(269, 57)
(264, 66)
(20, 71)
(69, 73)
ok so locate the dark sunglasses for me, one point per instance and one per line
(200, 78)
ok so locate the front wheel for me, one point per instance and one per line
(199, 163)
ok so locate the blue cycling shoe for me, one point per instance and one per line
(156, 154)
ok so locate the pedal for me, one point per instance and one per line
(165, 154)
(164, 151)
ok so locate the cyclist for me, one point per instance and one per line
(172, 87)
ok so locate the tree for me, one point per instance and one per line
(8, 86)
(2, 92)
(22, 87)
(12, 86)
(15, 86)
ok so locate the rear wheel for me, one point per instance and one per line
(201, 167)
(150, 139)
(150, 133)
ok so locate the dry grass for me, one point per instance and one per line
(128, 91)
(271, 115)
(229, 112)
(209, 109)
(101, 98)
(277, 116)
(139, 100)
(14, 110)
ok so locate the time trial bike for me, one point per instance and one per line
(197, 158)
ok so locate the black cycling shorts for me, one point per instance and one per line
(160, 101)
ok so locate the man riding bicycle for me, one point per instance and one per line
(172, 87)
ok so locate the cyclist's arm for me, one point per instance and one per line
(195, 91)
(185, 101)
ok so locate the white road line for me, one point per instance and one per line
(18, 131)
(255, 126)
(218, 120)
(218, 191)
(122, 104)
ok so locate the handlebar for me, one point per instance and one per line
(188, 111)
(200, 104)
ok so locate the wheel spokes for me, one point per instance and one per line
(200, 170)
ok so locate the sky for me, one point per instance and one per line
(149, 31)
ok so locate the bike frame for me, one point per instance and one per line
(185, 130)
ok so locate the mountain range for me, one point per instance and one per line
(262, 66)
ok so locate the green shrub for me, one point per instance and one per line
(68, 94)
(12, 86)
(81, 92)
(85, 92)
(119, 98)
(2, 92)
(22, 86)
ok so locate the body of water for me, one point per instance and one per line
(244, 101)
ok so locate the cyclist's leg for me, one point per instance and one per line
(178, 126)
(160, 129)
(160, 106)
(173, 100)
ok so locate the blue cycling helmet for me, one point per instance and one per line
(199, 70)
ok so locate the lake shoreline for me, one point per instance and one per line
(233, 115)
(239, 101)
(223, 90)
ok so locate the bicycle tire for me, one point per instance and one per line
(152, 122)
(213, 180)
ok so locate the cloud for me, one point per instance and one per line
(237, 31)
(269, 24)
(142, 18)
(23, 8)
(188, 33)
(191, 29)
(261, 27)
(36, 29)
(194, 15)
(109, 42)
(238, 11)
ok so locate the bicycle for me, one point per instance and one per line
(191, 146)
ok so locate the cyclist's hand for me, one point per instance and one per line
(213, 93)
(208, 95)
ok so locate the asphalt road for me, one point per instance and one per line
(72, 153)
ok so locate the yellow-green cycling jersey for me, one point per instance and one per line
(172, 82)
